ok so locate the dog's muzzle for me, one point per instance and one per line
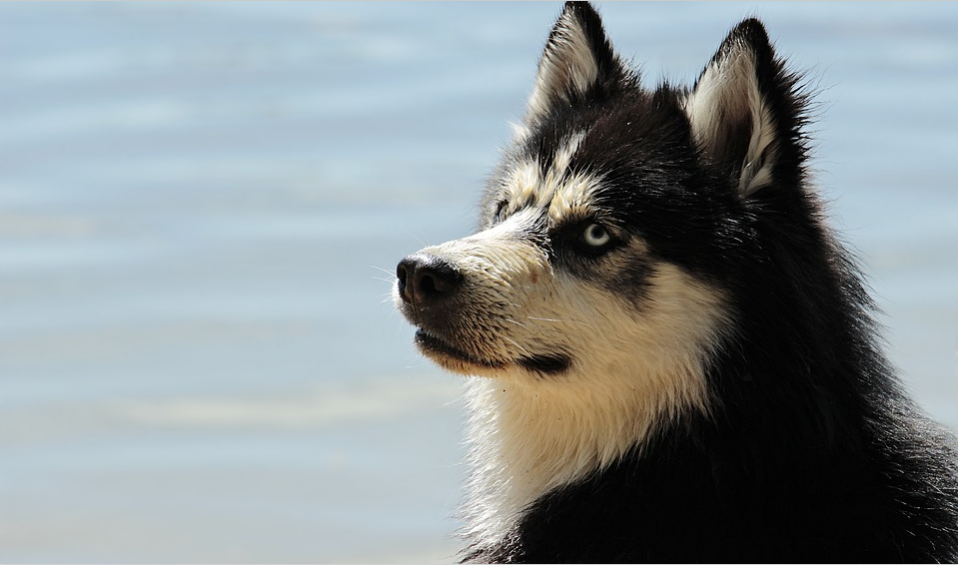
(434, 297)
(430, 289)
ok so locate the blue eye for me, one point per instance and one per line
(595, 235)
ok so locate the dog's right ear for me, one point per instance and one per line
(746, 111)
(578, 63)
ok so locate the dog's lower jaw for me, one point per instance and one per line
(452, 358)
(455, 360)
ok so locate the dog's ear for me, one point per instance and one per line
(746, 112)
(578, 63)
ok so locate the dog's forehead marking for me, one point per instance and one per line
(565, 152)
(559, 190)
(573, 197)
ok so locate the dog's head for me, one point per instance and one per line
(610, 231)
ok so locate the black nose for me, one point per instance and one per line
(425, 279)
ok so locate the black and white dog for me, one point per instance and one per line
(674, 359)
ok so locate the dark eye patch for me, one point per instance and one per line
(572, 239)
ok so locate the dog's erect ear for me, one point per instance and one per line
(745, 112)
(578, 62)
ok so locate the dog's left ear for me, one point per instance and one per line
(746, 113)
(578, 63)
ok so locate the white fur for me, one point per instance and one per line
(561, 191)
(560, 163)
(728, 93)
(520, 132)
(568, 61)
(573, 199)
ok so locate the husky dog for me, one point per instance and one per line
(673, 357)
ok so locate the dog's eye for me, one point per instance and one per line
(595, 235)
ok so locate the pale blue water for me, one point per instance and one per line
(201, 206)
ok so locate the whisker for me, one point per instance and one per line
(537, 319)
(516, 343)
(387, 271)
(513, 321)
(421, 238)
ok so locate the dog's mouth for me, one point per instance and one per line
(442, 351)
(433, 346)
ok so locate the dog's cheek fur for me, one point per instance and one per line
(634, 367)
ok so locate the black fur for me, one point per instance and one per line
(811, 451)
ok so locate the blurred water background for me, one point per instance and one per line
(201, 208)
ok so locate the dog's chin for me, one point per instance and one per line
(451, 358)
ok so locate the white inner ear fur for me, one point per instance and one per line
(727, 94)
(567, 64)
